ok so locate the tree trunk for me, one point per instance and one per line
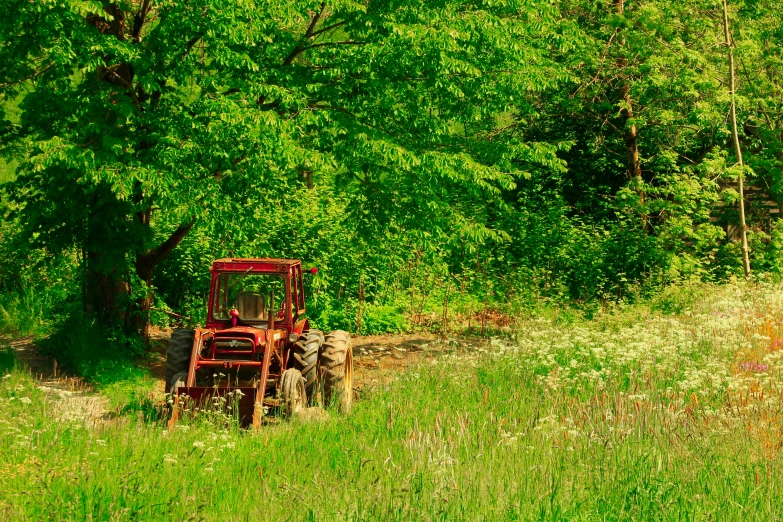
(109, 294)
(735, 137)
(145, 265)
(105, 285)
(630, 137)
(630, 132)
(105, 291)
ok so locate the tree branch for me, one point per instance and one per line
(219, 173)
(308, 34)
(156, 255)
(268, 106)
(341, 110)
(367, 183)
(116, 27)
(139, 19)
(328, 28)
(324, 44)
(37, 73)
(193, 41)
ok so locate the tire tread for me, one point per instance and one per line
(305, 355)
(336, 349)
(178, 354)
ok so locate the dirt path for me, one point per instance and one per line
(77, 400)
(27, 355)
(374, 356)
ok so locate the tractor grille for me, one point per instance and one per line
(233, 345)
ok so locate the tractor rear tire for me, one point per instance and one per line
(306, 352)
(292, 392)
(178, 356)
(336, 369)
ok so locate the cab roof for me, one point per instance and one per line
(263, 264)
(277, 261)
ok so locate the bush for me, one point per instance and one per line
(102, 356)
(379, 319)
(7, 360)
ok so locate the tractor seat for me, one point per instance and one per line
(251, 307)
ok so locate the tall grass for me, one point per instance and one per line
(634, 415)
(24, 313)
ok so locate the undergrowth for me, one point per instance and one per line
(7, 360)
(107, 359)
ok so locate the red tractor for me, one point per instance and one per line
(257, 347)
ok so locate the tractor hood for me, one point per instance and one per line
(258, 336)
(255, 335)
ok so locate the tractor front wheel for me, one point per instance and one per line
(178, 381)
(178, 356)
(292, 392)
(306, 359)
(336, 368)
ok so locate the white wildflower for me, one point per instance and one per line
(169, 459)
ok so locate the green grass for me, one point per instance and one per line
(632, 416)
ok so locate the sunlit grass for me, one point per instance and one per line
(636, 415)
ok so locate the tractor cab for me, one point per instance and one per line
(244, 292)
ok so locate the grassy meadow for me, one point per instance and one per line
(668, 410)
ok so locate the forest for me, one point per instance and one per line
(435, 160)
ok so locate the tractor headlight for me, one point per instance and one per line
(293, 338)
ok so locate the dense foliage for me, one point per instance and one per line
(424, 155)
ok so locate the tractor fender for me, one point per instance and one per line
(300, 327)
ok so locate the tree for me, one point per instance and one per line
(735, 139)
(144, 119)
(645, 112)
